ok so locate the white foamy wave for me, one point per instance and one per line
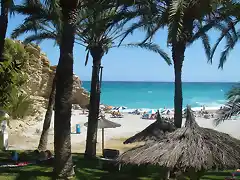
(217, 103)
(195, 108)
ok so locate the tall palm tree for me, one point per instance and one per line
(98, 33)
(232, 107)
(43, 142)
(67, 13)
(33, 22)
(63, 166)
(5, 8)
(184, 21)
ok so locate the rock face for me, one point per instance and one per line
(40, 77)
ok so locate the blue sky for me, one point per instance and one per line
(134, 64)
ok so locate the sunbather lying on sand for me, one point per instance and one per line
(116, 114)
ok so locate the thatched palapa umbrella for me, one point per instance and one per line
(189, 149)
(104, 123)
(153, 132)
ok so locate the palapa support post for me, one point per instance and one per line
(102, 140)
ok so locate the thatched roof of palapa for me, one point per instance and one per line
(154, 131)
(190, 147)
(104, 123)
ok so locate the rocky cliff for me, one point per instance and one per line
(40, 75)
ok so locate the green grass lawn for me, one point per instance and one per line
(87, 170)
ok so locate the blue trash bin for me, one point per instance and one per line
(14, 156)
(78, 129)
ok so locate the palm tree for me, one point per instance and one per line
(35, 13)
(43, 142)
(67, 12)
(63, 166)
(5, 7)
(185, 21)
(98, 33)
(231, 108)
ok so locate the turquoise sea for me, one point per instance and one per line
(160, 94)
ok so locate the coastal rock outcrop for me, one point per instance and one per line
(39, 74)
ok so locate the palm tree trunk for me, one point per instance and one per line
(178, 50)
(90, 151)
(48, 117)
(63, 167)
(3, 26)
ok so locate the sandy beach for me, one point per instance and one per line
(27, 137)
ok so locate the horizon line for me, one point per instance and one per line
(165, 81)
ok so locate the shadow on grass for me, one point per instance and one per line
(29, 172)
(212, 178)
(89, 170)
(26, 173)
(30, 175)
(218, 173)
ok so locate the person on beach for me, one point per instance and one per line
(204, 108)
(168, 112)
(113, 113)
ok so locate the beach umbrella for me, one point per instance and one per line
(189, 149)
(154, 131)
(101, 106)
(121, 108)
(151, 111)
(114, 108)
(102, 124)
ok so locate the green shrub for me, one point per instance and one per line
(10, 70)
(12, 77)
(20, 105)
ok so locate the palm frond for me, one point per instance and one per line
(228, 47)
(52, 4)
(153, 48)
(232, 107)
(225, 33)
(101, 26)
(130, 30)
(39, 37)
(206, 44)
(161, 22)
(28, 8)
(26, 27)
(234, 94)
(40, 19)
(204, 29)
(175, 19)
(11, 7)
(87, 57)
(229, 110)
